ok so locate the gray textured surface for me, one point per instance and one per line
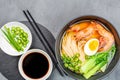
(54, 14)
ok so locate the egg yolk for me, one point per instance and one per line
(93, 45)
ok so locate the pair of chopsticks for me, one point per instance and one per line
(42, 39)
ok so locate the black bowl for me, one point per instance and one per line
(114, 60)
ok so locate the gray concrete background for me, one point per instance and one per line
(54, 14)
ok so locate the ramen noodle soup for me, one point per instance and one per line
(87, 48)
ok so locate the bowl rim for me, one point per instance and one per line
(86, 17)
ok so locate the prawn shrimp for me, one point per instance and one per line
(79, 26)
(86, 32)
(106, 39)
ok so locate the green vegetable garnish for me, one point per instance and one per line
(17, 37)
(92, 65)
(96, 62)
(94, 70)
(72, 63)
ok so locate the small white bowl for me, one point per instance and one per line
(20, 64)
(6, 47)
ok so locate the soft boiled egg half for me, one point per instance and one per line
(91, 47)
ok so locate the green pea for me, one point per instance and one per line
(27, 41)
(25, 35)
(18, 28)
(21, 31)
(77, 68)
(20, 45)
(69, 59)
(65, 60)
(17, 32)
(79, 61)
(77, 55)
(19, 41)
(73, 64)
(24, 39)
(71, 68)
(66, 65)
(12, 31)
(13, 28)
(24, 46)
(70, 65)
(21, 35)
(76, 59)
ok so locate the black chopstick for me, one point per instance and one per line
(38, 34)
(36, 30)
(43, 40)
(40, 31)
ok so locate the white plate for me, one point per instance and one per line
(6, 47)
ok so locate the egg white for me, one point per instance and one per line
(87, 49)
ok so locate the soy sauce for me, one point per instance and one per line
(35, 65)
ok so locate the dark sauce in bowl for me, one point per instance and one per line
(35, 65)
